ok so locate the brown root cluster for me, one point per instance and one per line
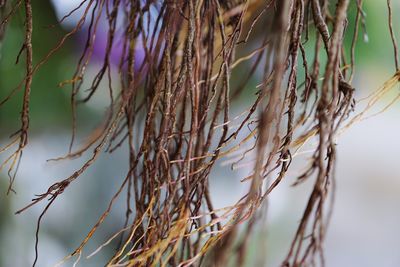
(173, 114)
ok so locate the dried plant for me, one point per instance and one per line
(172, 111)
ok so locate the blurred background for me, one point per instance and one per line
(365, 227)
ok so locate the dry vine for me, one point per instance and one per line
(183, 89)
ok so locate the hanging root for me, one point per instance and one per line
(172, 112)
